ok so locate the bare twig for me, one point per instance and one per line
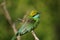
(25, 17)
(33, 33)
(7, 16)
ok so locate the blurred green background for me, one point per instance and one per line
(49, 27)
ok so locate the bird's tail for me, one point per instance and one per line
(14, 37)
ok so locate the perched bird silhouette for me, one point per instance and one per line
(32, 21)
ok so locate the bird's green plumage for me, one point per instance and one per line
(29, 25)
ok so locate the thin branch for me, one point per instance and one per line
(7, 16)
(33, 33)
(25, 17)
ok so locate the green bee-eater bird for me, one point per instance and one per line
(30, 24)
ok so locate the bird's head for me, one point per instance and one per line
(34, 13)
